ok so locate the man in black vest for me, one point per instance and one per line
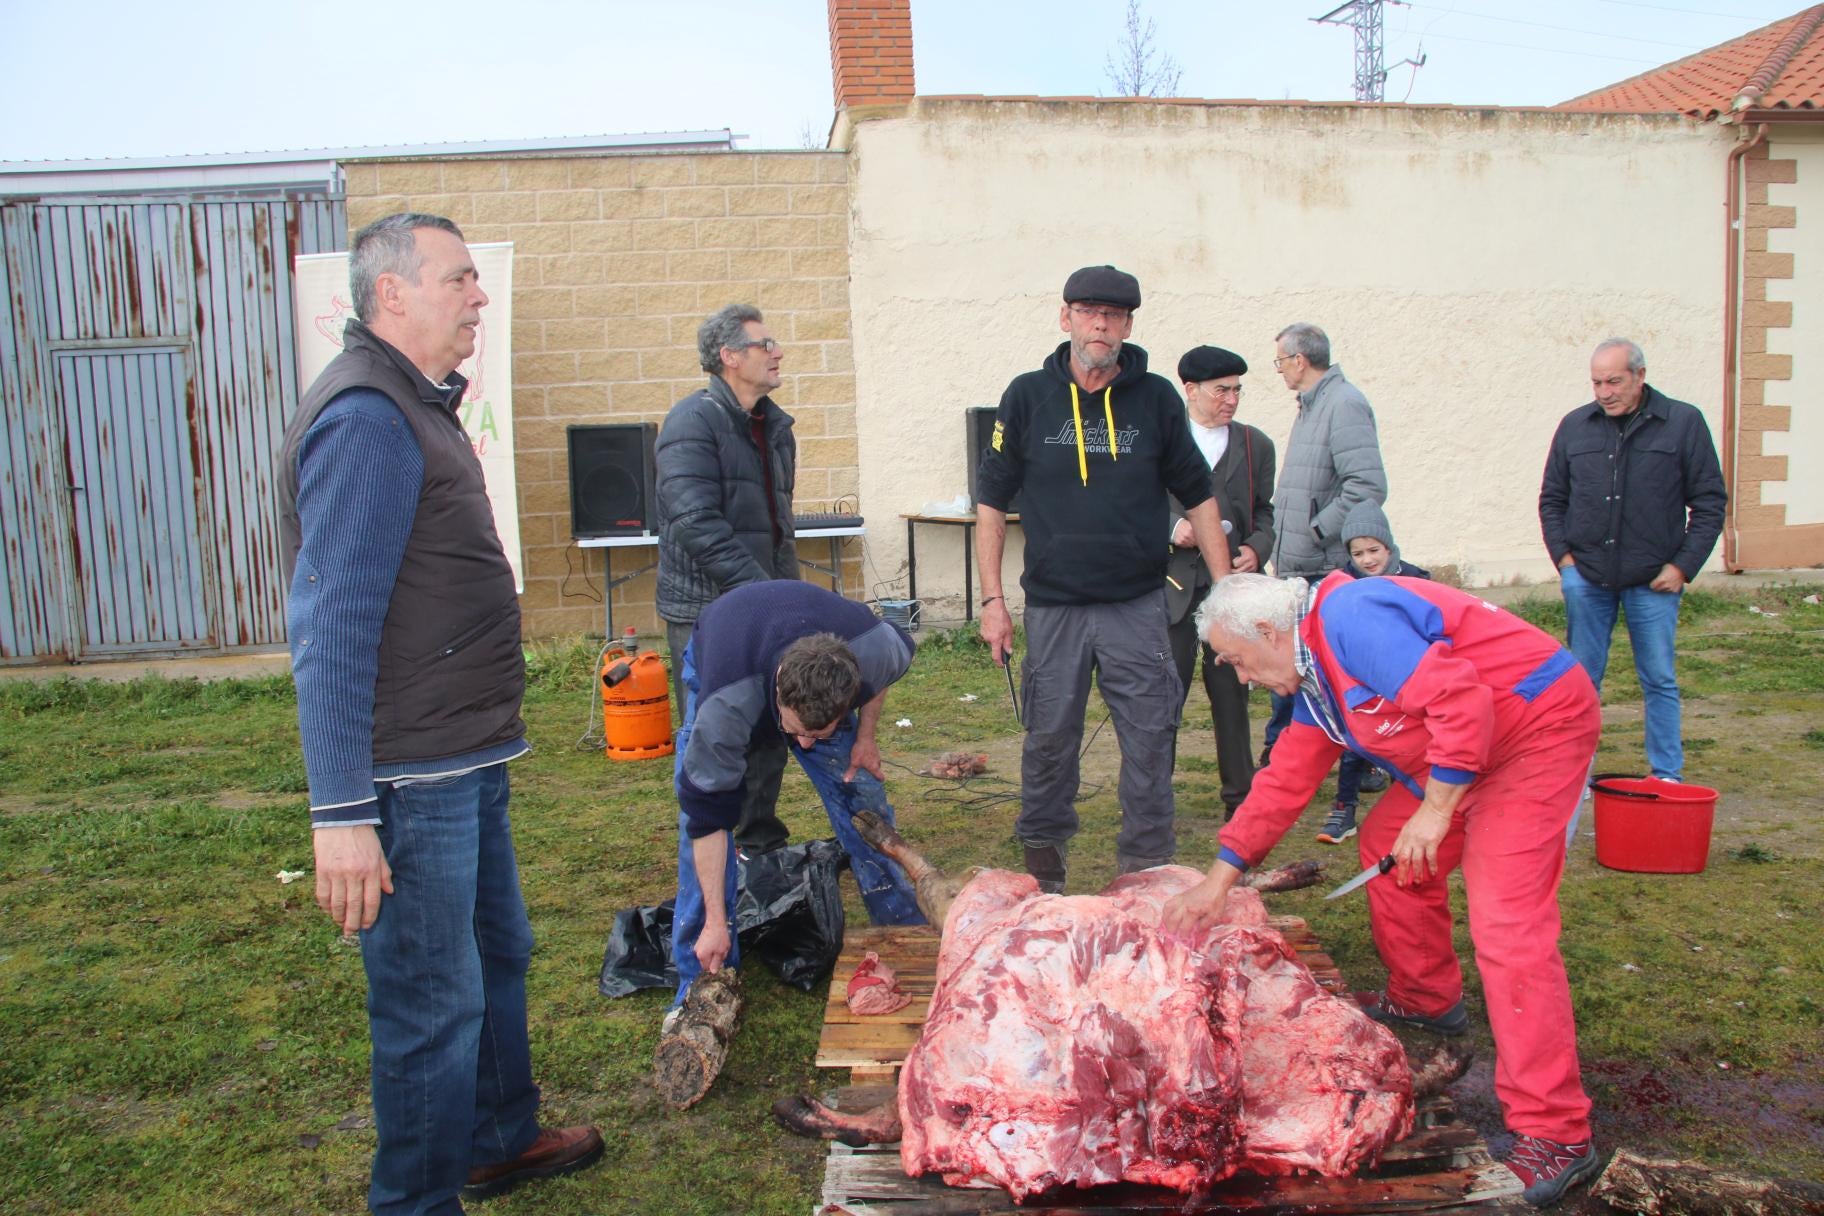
(405, 648)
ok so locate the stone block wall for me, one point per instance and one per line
(617, 260)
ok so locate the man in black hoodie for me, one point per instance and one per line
(1095, 442)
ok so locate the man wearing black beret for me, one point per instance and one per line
(1094, 442)
(1240, 460)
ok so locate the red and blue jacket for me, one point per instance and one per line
(1426, 681)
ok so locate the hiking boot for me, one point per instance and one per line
(1374, 781)
(556, 1150)
(1045, 862)
(1340, 826)
(1452, 1021)
(1549, 1168)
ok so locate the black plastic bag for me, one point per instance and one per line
(788, 915)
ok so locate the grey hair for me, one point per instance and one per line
(1241, 603)
(721, 329)
(1304, 338)
(387, 246)
(1637, 360)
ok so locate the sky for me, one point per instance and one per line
(85, 79)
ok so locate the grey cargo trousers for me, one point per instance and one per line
(1125, 647)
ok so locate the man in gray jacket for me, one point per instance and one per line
(727, 462)
(1332, 462)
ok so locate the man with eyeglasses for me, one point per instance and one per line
(778, 664)
(1332, 463)
(1240, 460)
(1094, 442)
(727, 462)
(1631, 504)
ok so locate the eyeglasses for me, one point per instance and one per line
(1284, 359)
(1224, 390)
(1109, 316)
(766, 344)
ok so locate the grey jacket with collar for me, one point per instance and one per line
(1332, 462)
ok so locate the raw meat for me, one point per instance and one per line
(874, 989)
(1070, 1043)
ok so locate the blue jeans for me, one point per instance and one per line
(1652, 617)
(884, 888)
(446, 994)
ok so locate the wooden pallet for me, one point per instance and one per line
(1443, 1166)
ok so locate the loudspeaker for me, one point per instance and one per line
(613, 487)
(980, 419)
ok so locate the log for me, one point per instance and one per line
(694, 1042)
(1658, 1187)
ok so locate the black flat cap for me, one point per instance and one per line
(1202, 363)
(1103, 285)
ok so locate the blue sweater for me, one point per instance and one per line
(360, 473)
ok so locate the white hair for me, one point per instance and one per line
(1241, 603)
(1637, 361)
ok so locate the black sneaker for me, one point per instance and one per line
(1340, 826)
(1374, 781)
(1452, 1021)
(1549, 1168)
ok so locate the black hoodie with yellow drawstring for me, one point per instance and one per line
(1096, 520)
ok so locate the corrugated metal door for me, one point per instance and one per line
(162, 332)
(139, 554)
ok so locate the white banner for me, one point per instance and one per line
(323, 308)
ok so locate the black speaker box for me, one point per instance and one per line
(981, 434)
(613, 488)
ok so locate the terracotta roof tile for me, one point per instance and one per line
(1779, 66)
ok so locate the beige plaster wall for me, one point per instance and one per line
(617, 260)
(1802, 443)
(1463, 262)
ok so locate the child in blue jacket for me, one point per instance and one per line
(1371, 552)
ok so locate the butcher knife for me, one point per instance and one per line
(1374, 871)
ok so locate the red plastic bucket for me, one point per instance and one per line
(1651, 826)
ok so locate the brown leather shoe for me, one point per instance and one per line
(557, 1150)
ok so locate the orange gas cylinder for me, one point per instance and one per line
(636, 702)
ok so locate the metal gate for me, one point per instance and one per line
(147, 370)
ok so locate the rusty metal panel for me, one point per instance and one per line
(247, 382)
(33, 601)
(140, 560)
(112, 272)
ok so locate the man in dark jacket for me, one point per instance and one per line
(405, 649)
(1095, 441)
(1631, 505)
(727, 462)
(1240, 458)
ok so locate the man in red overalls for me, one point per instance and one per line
(1488, 726)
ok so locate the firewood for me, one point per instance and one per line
(694, 1043)
(1659, 1187)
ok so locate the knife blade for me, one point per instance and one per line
(1374, 871)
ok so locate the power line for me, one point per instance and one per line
(1687, 12)
(1545, 50)
(1565, 29)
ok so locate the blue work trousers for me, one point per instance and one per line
(884, 887)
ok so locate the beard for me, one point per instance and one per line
(1095, 362)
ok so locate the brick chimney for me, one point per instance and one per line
(871, 52)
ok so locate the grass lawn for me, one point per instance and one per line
(182, 1033)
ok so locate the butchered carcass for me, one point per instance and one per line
(1070, 1043)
